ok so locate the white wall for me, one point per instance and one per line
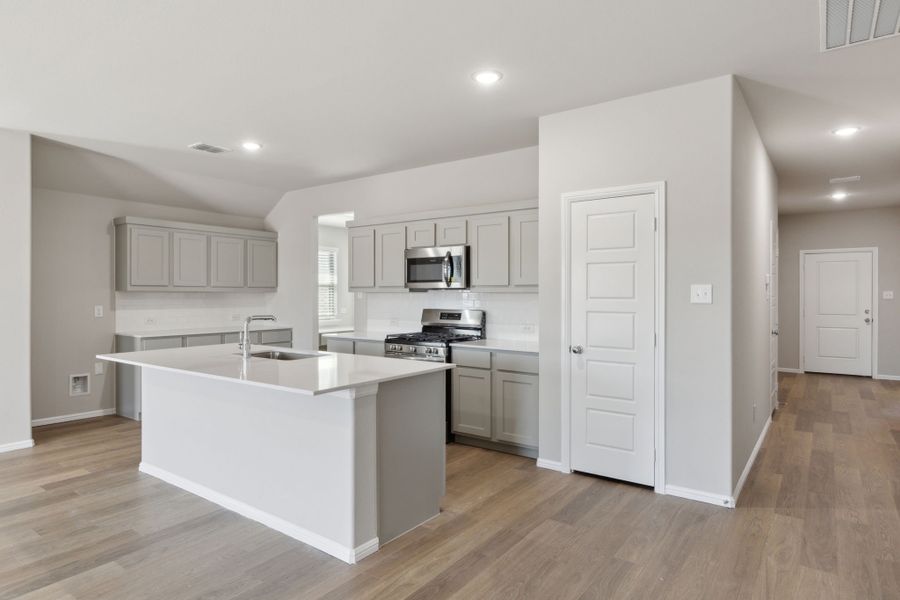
(502, 177)
(879, 227)
(73, 270)
(336, 237)
(681, 136)
(15, 301)
(754, 211)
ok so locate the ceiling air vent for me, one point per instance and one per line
(848, 22)
(218, 149)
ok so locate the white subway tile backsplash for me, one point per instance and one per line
(146, 311)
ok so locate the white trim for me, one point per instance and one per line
(658, 189)
(751, 460)
(788, 370)
(335, 549)
(691, 494)
(553, 465)
(16, 446)
(875, 302)
(888, 377)
(73, 417)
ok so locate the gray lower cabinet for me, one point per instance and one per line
(128, 378)
(339, 345)
(494, 398)
(346, 346)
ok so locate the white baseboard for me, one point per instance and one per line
(73, 417)
(16, 446)
(690, 494)
(888, 377)
(751, 460)
(335, 549)
(788, 370)
(553, 465)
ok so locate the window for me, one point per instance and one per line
(328, 283)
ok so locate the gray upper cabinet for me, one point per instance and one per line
(489, 258)
(523, 248)
(420, 235)
(189, 259)
(168, 256)
(262, 264)
(361, 241)
(149, 261)
(227, 264)
(390, 256)
(451, 232)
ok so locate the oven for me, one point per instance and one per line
(437, 268)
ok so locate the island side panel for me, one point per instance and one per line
(411, 452)
(282, 458)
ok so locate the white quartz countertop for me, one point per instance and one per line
(322, 373)
(361, 336)
(255, 326)
(489, 344)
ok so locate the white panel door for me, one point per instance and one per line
(837, 315)
(612, 295)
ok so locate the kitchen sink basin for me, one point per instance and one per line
(279, 355)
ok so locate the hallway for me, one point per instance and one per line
(818, 519)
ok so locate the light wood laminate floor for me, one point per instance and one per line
(817, 519)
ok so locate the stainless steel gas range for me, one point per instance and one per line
(440, 328)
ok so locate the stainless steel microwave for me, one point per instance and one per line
(438, 268)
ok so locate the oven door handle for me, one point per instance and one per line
(447, 268)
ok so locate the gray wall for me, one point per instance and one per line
(15, 247)
(502, 177)
(754, 213)
(879, 227)
(72, 271)
(336, 237)
(681, 136)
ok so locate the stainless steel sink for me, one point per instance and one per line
(279, 355)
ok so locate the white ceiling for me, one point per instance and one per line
(341, 89)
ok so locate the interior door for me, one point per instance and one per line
(612, 312)
(772, 291)
(837, 312)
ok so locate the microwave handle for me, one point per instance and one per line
(447, 268)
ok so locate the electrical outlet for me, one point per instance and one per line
(887, 295)
(98, 368)
(701, 293)
(528, 328)
(149, 321)
(98, 311)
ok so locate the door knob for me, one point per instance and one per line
(576, 349)
(868, 320)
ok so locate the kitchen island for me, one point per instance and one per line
(342, 452)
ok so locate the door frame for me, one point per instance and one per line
(875, 301)
(658, 189)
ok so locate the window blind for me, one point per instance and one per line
(327, 283)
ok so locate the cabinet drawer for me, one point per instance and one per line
(273, 337)
(370, 348)
(520, 363)
(280, 344)
(234, 338)
(203, 340)
(162, 343)
(477, 359)
(340, 346)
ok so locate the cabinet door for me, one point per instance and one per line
(516, 408)
(361, 241)
(149, 264)
(489, 260)
(262, 264)
(420, 235)
(227, 261)
(523, 248)
(470, 410)
(390, 256)
(190, 259)
(451, 232)
(370, 348)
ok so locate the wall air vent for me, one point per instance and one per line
(219, 149)
(851, 179)
(849, 22)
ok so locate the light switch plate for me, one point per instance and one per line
(98, 311)
(701, 293)
(887, 295)
(98, 368)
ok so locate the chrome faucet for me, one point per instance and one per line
(244, 344)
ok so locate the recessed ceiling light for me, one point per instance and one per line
(251, 146)
(846, 131)
(839, 196)
(487, 77)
